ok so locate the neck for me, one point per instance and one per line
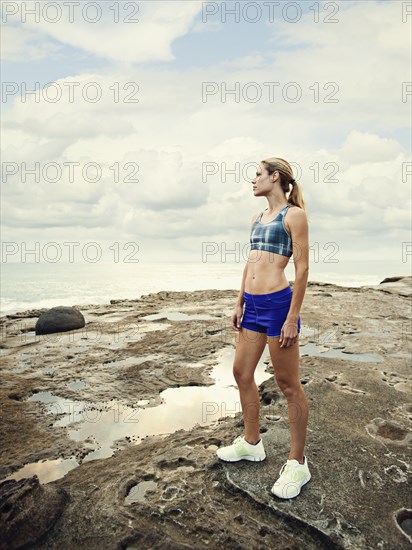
(276, 205)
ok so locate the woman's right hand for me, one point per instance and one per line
(237, 317)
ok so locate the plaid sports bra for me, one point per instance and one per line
(272, 236)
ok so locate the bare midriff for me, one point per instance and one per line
(265, 272)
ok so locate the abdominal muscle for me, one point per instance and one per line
(265, 272)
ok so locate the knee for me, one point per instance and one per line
(240, 374)
(289, 388)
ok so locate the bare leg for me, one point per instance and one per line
(249, 349)
(286, 364)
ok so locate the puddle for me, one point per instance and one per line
(312, 349)
(406, 525)
(76, 385)
(137, 492)
(403, 520)
(46, 470)
(177, 316)
(109, 422)
(94, 343)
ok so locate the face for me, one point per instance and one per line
(263, 182)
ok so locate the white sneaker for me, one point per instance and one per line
(293, 476)
(242, 450)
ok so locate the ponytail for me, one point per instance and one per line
(296, 196)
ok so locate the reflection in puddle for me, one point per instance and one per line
(110, 421)
(406, 525)
(46, 470)
(137, 492)
(76, 385)
(312, 349)
(403, 518)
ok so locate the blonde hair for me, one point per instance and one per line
(276, 164)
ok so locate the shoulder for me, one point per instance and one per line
(255, 217)
(296, 217)
(296, 212)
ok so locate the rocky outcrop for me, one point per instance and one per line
(28, 511)
(171, 491)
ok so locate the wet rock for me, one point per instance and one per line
(194, 498)
(403, 519)
(28, 511)
(59, 319)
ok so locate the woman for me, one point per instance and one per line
(272, 316)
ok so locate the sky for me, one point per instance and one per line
(137, 126)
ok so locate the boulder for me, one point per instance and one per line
(59, 319)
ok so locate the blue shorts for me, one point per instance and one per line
(267, 312)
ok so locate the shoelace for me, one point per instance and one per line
(284, 468)
(287, 468)
(290, 469)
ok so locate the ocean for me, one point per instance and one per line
(43, 285)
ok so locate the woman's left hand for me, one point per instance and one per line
(288, 334)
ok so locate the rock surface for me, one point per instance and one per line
(28, 511)
(171, 491)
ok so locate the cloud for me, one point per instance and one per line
(364, 54)
(19, 43)
(398, 217)
(149, 38)
(362, 147)
(172, 132)
(251, 61)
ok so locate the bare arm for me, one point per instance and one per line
(299, 230)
